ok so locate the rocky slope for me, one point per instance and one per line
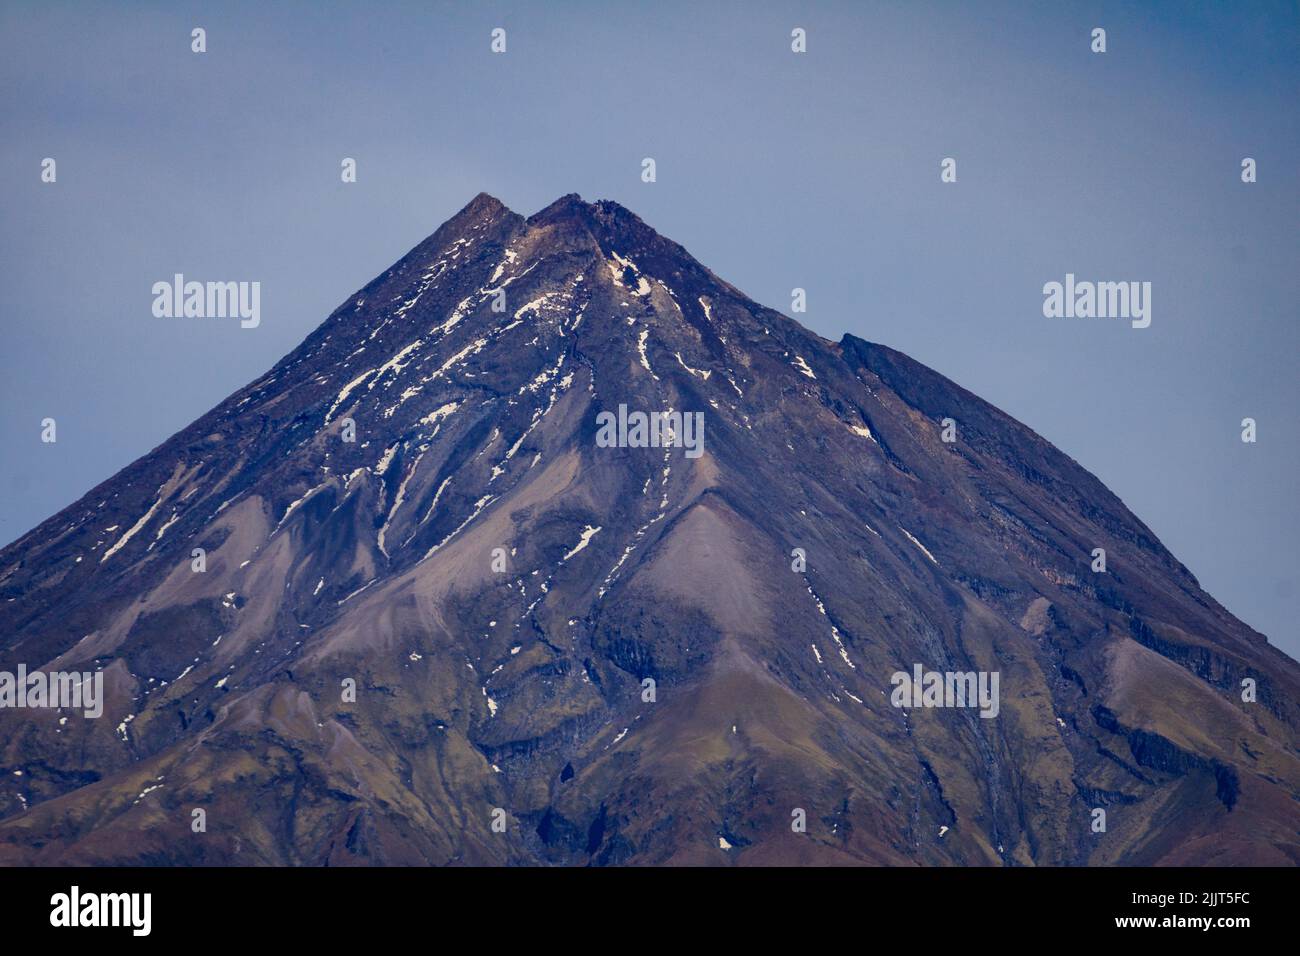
(500, 587)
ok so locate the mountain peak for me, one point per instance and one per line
(602, 217)
(540, 462)
(568, 205)
(481, 210)
(484, 202)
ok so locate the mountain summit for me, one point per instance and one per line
(447, 586)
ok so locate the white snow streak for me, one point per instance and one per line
(924, 549)
(134, 528)
(588, 533)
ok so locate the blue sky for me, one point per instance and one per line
(776, 170)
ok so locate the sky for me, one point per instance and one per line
(777, 170)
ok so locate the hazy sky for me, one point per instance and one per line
(775, 170)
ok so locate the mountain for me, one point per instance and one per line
(621, 655)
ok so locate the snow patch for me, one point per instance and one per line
(924, 549)
(134, 528)
(694, 371)
(645, 361)
(587, 534)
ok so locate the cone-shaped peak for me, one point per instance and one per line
(601, 217)
(614, 228)
(634, 446)
(566, 206)
(484, 203)
(481, 207)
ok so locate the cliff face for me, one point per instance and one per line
(644, 653)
